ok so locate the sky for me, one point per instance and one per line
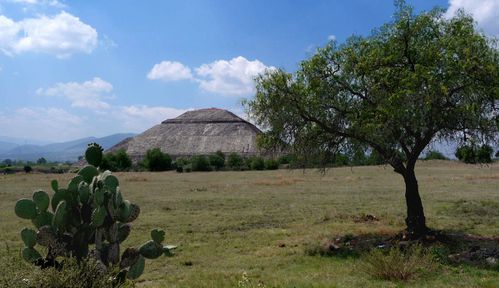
(73, 69)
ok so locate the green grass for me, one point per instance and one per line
(261, 222)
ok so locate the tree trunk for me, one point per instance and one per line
(415, 221)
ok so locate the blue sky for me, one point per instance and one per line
(71, 69)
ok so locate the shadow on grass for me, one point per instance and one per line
(446, 246)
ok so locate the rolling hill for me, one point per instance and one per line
(65, 151)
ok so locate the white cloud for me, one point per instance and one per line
(61, 35)
(233, 77)
(89, 94)
(331, 38)
(53, 3)
(485, 12)
(170, 71)
(42, 124)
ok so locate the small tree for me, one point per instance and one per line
(200, 163)
(235, 161)
(156, 160)
(217, 161)
(257, 163)
(41, 161)
(419, 78)
(434, 155)
(27, 169)
(271, 164)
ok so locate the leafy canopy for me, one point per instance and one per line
(416, 79)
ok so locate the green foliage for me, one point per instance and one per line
(434, 155)
(41, 161)
(200, 163)
(27, 169)
(217, 160)
(156, 160)
(119, 161)
(415, 79)
(90, 211)
(472, 154)
(271, 164)
(257, 163)
(235, 161)
(396, 264)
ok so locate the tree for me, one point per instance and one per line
(200, 163)
(416, 79)
(217, 160)
(119, 161)
(235, 161)
(41, 161)
(156, 160)
(435, 155)
(27, 169)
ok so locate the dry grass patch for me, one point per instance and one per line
(396, 264)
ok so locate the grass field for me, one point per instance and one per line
(260, 223)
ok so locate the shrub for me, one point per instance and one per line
(84, 274)
(285, 159)
(396, 264)
(271, 164)
(217, 161)
(200, 163)
(41, 161)
(434, 155)
(257, 163)
(472, 154)
(27, 169)
(119, 161)
(156, 160)
(484, 154)
(235, 161)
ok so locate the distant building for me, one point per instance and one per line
(198, 132)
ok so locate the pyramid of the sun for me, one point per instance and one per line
(197, 132)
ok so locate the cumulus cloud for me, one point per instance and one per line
(88, 94)
(170, 71)
(61, 35)
(54, 3)
(233, 77)
(42, 124)
(485, 12)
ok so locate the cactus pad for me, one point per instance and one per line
(137, 269)
(29, 237)
(158, 235)
(151, 250)
(123, 232)
(93, 155)
(55, 185)
(134, 213)
(26, 209)
(60, 215)
(41, 199)
(42, 219)
(98, 216)
(30, 254)
(129, 257)
(88, 173)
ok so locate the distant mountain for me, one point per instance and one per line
(65, 151)
(6, 146)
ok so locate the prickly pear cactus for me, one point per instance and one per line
(89, 218)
